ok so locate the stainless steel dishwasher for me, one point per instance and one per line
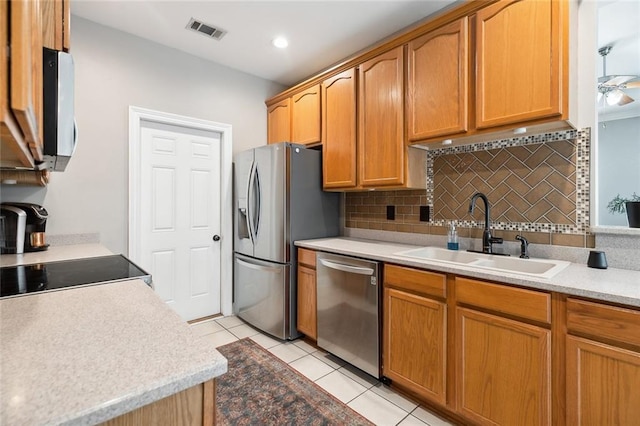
(348, 310)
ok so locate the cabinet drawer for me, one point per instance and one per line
(527, 304)
(307, 257)
(610, 322)
(415, 280)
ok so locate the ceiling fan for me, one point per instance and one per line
(610, 87)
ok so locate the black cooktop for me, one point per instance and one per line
(23, 279)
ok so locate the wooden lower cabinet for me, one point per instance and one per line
(307, 299)
(503, 353)
(415, 356)
(503, 370)
(603, 364)
(191, 407)
(603, 384)
(414, 331)
(485, 353)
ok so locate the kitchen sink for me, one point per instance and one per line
(543, 268)
(436, 253)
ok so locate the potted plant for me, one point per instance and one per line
(630, 205)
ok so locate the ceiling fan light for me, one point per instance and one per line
(614, 97)
(599, 96)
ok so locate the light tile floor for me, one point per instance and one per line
(375, 401)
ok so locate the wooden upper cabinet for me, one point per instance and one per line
(520, 51)
(339, 131)
(437, 84)
(305, 116)
(26, 72)
(32, 25)
(56, 24)
(14, 149)
(381, 147)
(279, 122)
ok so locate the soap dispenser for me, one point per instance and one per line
(452, 240)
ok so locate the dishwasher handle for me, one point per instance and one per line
(347, 268)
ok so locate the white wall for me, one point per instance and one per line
(113, 71)
(618, 165)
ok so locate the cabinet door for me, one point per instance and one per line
(305, 116)
(381, 148)
(307, 302)
(503, 370)
(65, 23)
(414, 343)
(14, 149)
(55, 24)
(437, 86)
(602, 384)
(279, 122)
(519, 50)
(26, 71)
(339, 130)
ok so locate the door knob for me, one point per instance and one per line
(216, 238)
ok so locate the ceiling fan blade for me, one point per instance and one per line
(625, 100)
(633, 84)
(618, 80)
(617, 97)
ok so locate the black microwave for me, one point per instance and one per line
(60, 133)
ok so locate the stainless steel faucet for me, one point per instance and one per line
(487, 239)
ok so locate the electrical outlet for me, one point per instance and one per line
(424, 213)
(391, 212)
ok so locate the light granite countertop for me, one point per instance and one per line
(611, 285)
(56, 253)
(84, 355)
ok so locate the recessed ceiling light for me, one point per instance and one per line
(280, 42)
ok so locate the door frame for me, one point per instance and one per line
(136, 116)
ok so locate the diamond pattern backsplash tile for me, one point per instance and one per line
(529, 184)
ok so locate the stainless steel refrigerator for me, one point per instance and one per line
(278, 199)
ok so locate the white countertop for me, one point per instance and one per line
(84, 355)
(612, 285)
(55, 253)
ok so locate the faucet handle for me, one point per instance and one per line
(496, 240)
(524, 246)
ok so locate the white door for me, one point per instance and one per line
(180, 201)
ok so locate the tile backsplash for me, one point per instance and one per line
(537, 186)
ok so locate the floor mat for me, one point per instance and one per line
(261, 389)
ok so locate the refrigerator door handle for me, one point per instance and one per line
(257, 194)
(258, 267)
(251, 203)
(347, 268)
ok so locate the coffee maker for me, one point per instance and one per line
(13, 222)
(24, 228)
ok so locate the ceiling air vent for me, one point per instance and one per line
(206, 29)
